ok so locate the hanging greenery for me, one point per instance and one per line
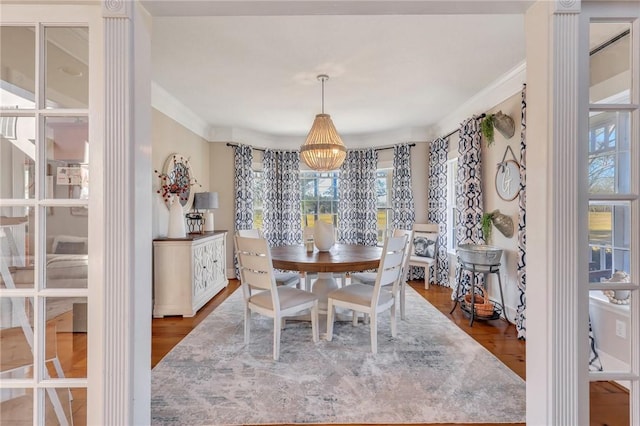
(486, 127)
(486, 226)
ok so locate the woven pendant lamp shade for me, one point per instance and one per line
(323, 150)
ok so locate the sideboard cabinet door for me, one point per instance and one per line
(188, 272)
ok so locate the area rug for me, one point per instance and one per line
(431, 373)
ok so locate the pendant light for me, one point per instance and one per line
(323, 150)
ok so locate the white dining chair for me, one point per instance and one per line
(372, 300)
(424, 250)
(369, 278)
(282, 278)
(256, 272)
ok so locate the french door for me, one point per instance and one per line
(610, 149)
(47, 90)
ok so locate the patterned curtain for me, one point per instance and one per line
(402, 206)
(521, 324)
(243, 186)
(437, 213)
(281, 210)
(357, 212)
(469, 204)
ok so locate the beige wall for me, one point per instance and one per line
(491, 156)
(170, 137)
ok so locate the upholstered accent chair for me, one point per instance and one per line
(256, 273)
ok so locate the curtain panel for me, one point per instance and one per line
(521, 324)
(402, 206)
(469, 205)
(357, 212)
(438, 150)
(243, 189)
(281, 209)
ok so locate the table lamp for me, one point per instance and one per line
(206, 201)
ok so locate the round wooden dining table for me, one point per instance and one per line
(340, 259)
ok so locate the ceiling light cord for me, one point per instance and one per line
(323, 78)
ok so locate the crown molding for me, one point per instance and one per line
(502, 88)
(167, 104)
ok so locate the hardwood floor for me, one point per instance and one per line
(609, 401)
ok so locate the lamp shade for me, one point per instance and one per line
(205, 200)
(323, 150)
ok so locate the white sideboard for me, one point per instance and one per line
(188, 272)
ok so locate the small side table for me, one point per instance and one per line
(475, 268)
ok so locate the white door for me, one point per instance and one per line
(611, 153)
(47, 89)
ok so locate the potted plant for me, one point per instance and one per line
(486, 226)
(486, 128)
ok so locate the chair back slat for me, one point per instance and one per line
(254, 259)
(249, 233)
(390, 266)
(407, 250)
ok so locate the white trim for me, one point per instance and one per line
(502, 88)
(167, 104)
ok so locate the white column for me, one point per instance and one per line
(557, 386)
(127, 246)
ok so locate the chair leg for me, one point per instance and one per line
(427, 276)
(276, 337)
(354, 322)
(330, 313)
(374, 332)
(314, 322)
(403, 288)
(394, 324)
(247, 319)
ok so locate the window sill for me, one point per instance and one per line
(597, 298)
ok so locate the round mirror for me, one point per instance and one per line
(179, 180)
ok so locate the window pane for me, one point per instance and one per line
(17, 157)
(67, 157)
(17, 246)
(16, 355)
(609, 154)
(67, 70)
(610, 62)
(609, 239)
(60, 406)
(66, 337)
(18, 70)
(610, 320)
(18, 408)
(67, 259)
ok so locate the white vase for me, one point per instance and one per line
(176, 219)
(324, 235)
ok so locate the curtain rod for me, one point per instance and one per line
(483, 115)
(264, 149)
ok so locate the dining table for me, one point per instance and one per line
(341, 258)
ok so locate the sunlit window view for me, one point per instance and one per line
(320, 196)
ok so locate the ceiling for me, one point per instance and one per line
(387, 71)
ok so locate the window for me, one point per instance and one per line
(319, 198)
(258, 198)
(452, 217)
(319, 195)
(383, 203)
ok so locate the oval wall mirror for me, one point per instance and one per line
(180, 178)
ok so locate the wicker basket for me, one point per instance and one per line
(481, 304)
